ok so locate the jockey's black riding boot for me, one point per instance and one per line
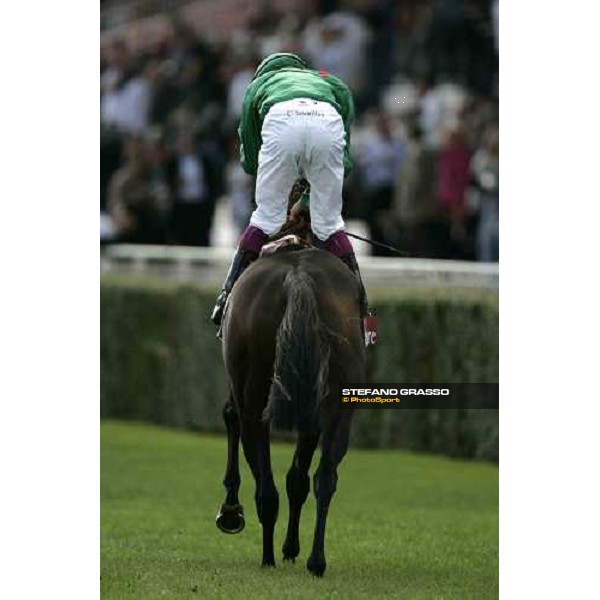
(350, 261)
(241, 260)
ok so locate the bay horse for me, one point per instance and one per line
(292, 337)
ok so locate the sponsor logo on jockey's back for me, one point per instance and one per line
(309, 113)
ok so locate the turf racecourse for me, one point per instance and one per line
(400, 526)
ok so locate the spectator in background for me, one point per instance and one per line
(194, 86)
(159, 157)
(485, 172)
(240, 188)
(239, 81)
(189, 76)
(127, 92)
(379, 161)
(453, 179)
(337, 43)
(191, 89)
(430, 113)
(194, 181)
(132, 202)
(414, 205)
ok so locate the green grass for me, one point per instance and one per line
(400, 525)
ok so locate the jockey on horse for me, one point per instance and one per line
(295, 125)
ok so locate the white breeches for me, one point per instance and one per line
(301, 138)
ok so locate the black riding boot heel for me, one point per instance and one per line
(241, 260)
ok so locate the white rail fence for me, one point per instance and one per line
(209, 266)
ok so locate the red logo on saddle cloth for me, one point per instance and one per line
(370, 325)
(323, 73)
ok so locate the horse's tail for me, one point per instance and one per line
(301, 358)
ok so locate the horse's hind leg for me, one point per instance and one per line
(255, 440)
(230, 518)
(333, 449)
(298, 486)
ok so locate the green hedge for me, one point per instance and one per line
(161, 362)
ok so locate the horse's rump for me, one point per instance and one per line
(293, 322)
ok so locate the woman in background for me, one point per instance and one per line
(453, 180)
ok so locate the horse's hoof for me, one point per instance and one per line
(268, 563)
(230, 518)
(316, 566)
(290, 551)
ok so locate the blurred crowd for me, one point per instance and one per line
(424, 74)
